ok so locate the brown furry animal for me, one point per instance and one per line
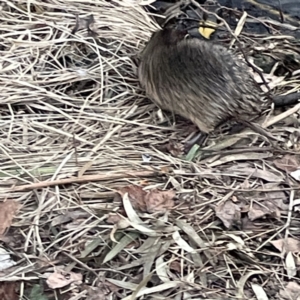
(199, 80)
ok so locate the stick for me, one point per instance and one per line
(86, 178)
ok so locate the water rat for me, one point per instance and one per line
(199, 80)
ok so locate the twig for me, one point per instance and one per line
(86, 178)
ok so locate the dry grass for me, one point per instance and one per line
(72, 112)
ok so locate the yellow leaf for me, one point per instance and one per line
(207, 31)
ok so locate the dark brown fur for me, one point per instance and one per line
(199, 80)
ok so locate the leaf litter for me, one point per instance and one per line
(8, 291)
(8, 211)
(61, 279)
(149, 201)
(97, 198)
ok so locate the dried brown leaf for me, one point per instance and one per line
(8, 291)
(136, 195)
(265, 208)
(287, 245)
(288, 163)
(278, 198)
(60, 279)
(149, 201)
(229, 213)
(8, 211)
(159, 201)
(291, 291)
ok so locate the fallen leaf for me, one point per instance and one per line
(288, 163)
(286, 245)
(159, 201)
(296, 175)
(122, 224)
(229, 213)
(60, 279)
(148, 201)
(120, 246)
(8, 210)
(297, 204)
(278, 199)
(136, 195)
(8, 291)
(161, 267)
(259, 292)
(183, 244)
(5, 260)
(291, 291)
(262, 209)
(240, 157)
(290, 265)
(256, 173)
(36, 293)
(207, 29)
